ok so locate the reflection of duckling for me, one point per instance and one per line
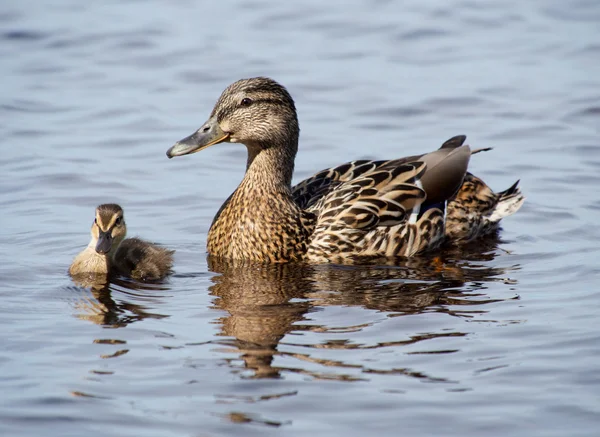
(108, 251)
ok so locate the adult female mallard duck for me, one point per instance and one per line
(109, 252)
(399, 207)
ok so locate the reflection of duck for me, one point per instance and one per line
(399, 207)
(265, 302)
(109, 252)
(257, 298)
(102, 309)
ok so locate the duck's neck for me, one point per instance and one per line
(269, 169)
(260, 221)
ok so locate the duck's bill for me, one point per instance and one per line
(104, 243)
(210, 133)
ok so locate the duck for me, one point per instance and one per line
(109, 252)
(358, 210)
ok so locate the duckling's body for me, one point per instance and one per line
(110, 253)
(399, 207)
(90, 261)
(139, 259)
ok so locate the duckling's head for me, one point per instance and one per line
(108, 229)
(257, 112)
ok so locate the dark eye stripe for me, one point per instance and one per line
(247, 101)
(226, 112)
(274, 101)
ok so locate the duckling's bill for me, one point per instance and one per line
(210, 133)
(104, 243)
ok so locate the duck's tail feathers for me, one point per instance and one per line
(509, 202)
(458, 141)
(483, 149)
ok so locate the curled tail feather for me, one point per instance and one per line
(476, 210)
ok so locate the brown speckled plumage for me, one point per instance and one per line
(110, 253)
(476, 210)
(399, 207)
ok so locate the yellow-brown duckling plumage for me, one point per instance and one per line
(110, 253)
(399, 207)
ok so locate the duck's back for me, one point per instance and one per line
(142, 260)
(309, 193)
(382, 208)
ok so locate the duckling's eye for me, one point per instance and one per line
(118, 220)
(246, 101)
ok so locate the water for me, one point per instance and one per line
(499, 338)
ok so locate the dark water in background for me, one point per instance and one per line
(499, 339)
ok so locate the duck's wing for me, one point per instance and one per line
(384, 193)
(381, 197)
(367, 215)
(312, 190)
(393, 208)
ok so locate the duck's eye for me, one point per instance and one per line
(118, 220)
(246, 101)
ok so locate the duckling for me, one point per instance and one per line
(110, 253)
(387, 208)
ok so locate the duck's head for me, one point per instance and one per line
(108, 229)
(257, 112)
